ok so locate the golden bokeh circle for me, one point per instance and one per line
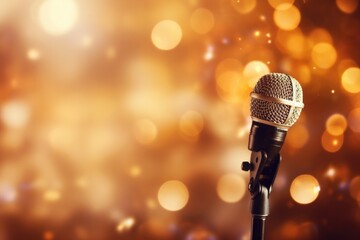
(58, 17)
(231, 188)
(355, 188)
(253, 71)
(298, 136)
(323, 55)
(304, 189)
(173, 195)
(350, 80)
(354, 120)
(336, 124)
(202, 20)
(276, 3)
(243, 7)
(347, 6)
(166, 34)
(145, 131)
(287, 17)
(331, 143)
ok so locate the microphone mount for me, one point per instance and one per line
(263, 171)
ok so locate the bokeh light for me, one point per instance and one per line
(287, 17)
(125, 224)
(202, 20)
(145, 131)
(330, 142)
(166, 34)
(173, 195)
(336, 124)
(298, 136)
(275, 3)
(347, 6)
(231, 188)
(15, 113)
(253, 71)
(191, 124)
(58, 17)
(354, 120)
(304, 189)
(323, 55)
(355, 188)
(350, 80)
(243, 7)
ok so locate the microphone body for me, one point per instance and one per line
(276, 104)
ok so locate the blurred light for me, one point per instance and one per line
(298, 136)
(323, 55)
(231, 188)
(145, 131)
(350, 80)
(355, 188)
(33, 54)
(287, 17)
(191, 124)
(257, 33)
(330, 172)
(292, 42)
(289, 230)
(173, 195)
(202, 20)
(345, 64)
(304, 189)
(58, 17)
(209, 54)
(150, 203)
(15, 113)
(86, 41)
(347, 6)
(52, 195)
(275, 3)
(200, 234)
(320, 35)
(354, 120)
(100, 191)
(330, 142)
(166, 35)
(253, 71)
(228, 64)
(7, 193)
(243, 7)
(125, 224)
(228, 86)
(48, 235)
(336, 124)
(135, 171)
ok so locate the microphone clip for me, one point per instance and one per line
(263, 171)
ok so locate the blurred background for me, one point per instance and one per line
(130, 119)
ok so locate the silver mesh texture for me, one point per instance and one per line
(280, 86)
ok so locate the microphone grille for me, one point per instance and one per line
(279, 100)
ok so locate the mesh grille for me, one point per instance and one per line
(277, 85)
(269, 111)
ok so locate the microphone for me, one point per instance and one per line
(276, 104)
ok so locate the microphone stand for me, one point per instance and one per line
(263, 171)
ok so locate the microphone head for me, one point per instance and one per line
(276, 100)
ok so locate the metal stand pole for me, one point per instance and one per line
(262, 175)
